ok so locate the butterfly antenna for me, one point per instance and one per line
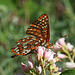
(65, 35)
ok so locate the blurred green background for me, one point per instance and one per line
(17, 15)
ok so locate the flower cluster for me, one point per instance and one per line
(46, 60)
(65, 50)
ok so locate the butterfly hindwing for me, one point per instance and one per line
(27, 45)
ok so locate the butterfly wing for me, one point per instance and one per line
(40, 28)
(26, 46)
(40, 32)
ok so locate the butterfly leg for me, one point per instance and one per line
(52, 45)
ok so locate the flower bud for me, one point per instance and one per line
(57, 47)
(48, 54)
(39, 69)
(30, 62)
(40, 51)
(61, 56)
(61, 41)
(24, 67)
(30, 65)
(69, 46)
(70, 65)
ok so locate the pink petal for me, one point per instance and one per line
(40, 51)
(48, 54)
(56, 68)
(61, 56)
(24, 67)
(57, 47)
(30, 65)
(61, 41)
(69, 46)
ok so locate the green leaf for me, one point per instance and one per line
(68, 72)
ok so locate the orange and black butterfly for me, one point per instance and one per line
(39, 32)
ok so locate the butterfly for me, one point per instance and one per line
(39, 32)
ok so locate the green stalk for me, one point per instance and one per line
(50, 70)
(69, 56)
(43, 66)
(44, 73)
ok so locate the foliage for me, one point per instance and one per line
(17, 15)
(68, 72)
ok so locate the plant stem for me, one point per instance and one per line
(69, 57)
(44, 71)
(73, 56)
(50, 70)
(43, 66)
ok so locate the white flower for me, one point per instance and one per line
(70, 65)
(30, 64)
(39, 69)
(69, 46)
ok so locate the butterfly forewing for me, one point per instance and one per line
(39, 36)
(40, 28)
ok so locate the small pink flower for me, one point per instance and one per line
(57, 47)
(30, 65)
(61, 41)
(61, 56)
(30, 62)
(54, 65)
(39, 69)
(56, 68)
(48, 54)
(40, 51)
(24, 67)
(69, 46)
